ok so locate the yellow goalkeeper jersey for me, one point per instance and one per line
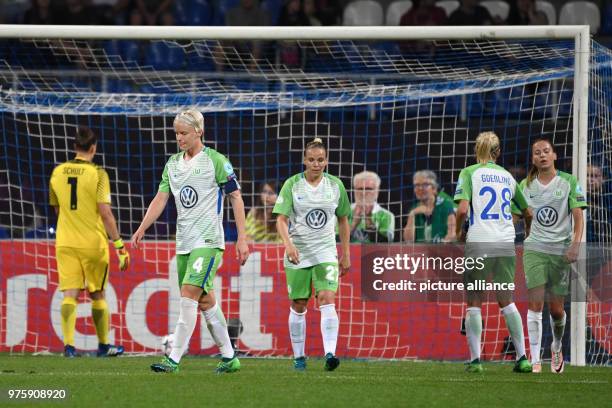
(76, 187)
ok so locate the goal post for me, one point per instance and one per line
(382, 97)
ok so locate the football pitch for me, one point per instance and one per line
(127, 381)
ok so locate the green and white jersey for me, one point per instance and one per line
(197, 186)
(552, 204)
(490, 189)
(312, 213)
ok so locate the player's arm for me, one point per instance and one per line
(155, 209)
(462, 213)
(451, 234)
(577, 203)
(103, 201)
(282, 227)
(344, 230)
(520, 202)
(409, 228)
(242, 249)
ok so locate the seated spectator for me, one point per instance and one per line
(329, 12)
(40, 12)
(292, 14)
(524, 12)
(369, 221)
(424, 13)
(247, 13)
(471, 14)
(432, 218)
(310, 11)
(260, 223)
(599, 198)
(152, 10)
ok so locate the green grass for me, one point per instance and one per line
(127, 381)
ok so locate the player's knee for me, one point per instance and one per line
(326, 298)
(97, 295)
(556, 311)
(299, 305)
(536, 306)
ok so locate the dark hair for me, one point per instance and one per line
(84, 139)
(315, 143)
(260, 212)
(533, 170)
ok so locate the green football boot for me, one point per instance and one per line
(475, 366)
(522, 365)
(228, 365)
(167, 365)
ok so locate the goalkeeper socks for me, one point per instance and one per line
(185, 325)
(473, 329)
(99, 312)
(534, 328)
(215, 321)
(515, 327)
(297, 332)
(558, 328)
(68, 312)
(329, 327)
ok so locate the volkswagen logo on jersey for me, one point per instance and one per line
(188, 196)
(547, 216)
(316, 219)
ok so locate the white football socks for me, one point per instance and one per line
(558, 328)
(329, 327)
(297, 332)
(217, 325)
(473, 330)
(185, 325)
(515, 327)
(534, 328)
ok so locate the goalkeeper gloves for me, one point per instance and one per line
(122, 254)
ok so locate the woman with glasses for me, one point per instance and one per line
(369, 221)
(432, 218)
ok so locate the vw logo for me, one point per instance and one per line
(547, 216)
(316, 219)
(188, 196)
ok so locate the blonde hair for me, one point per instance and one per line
(316, 143)
(191, 117)
(366, 175)
(487, 147)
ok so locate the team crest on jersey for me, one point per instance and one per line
(188, 196)
(316, 219)
(558, 193)
(547, 216)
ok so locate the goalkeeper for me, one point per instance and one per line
(79, 192)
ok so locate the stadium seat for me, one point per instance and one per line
(549, 9)
(449, 6)
(363, 13)
(164, 55)
(194, 13)
(396, 10)
(606, 20)
(497, 8)
(580, 12)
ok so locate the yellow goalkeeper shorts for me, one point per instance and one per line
(82, 268)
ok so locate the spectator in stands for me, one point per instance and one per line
(329, 12)
(424, 13)
(247, 13)
(432, 218)
(260, 222)
(152, 10)
(76, 12)
(113, 11)
(310, 10)
(471, 14)
(369, 221)
(292, 14)
(40, 12)
(599, 215)
(524, 12)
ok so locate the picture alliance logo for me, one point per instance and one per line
(547, 216)
(188, 196)
(316, 219)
